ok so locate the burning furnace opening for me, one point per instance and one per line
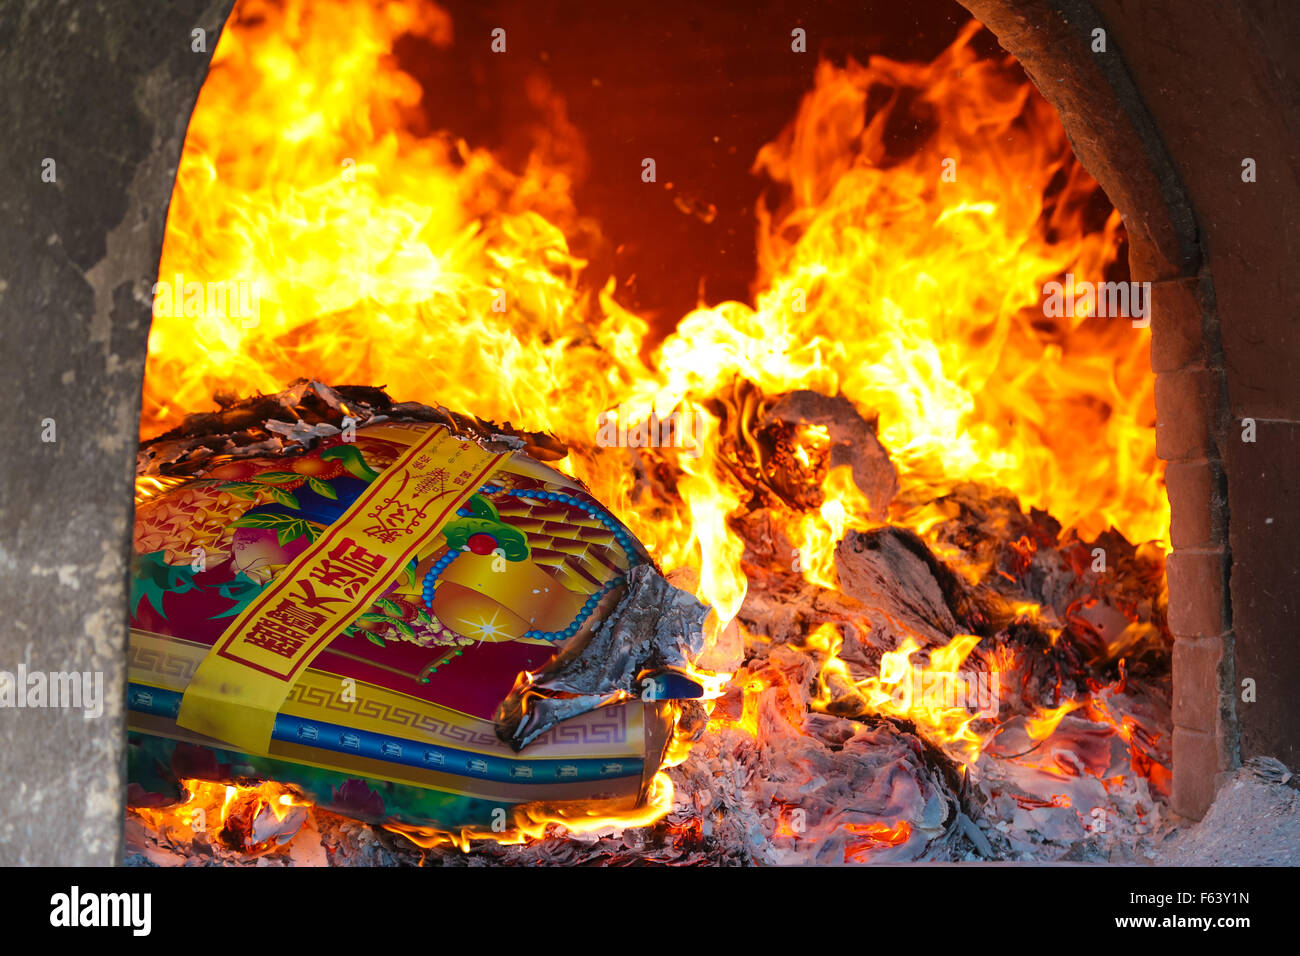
(911, 460)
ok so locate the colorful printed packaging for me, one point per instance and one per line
(348, 621)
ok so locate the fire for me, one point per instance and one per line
(258, 818)
(939, 698)
(382, 252)
(868, 837)
(249, 818)
(538, 821)
(1044, 725)
(844, 507)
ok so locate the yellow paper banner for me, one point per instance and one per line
(242, 682)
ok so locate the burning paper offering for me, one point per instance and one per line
(350, 620)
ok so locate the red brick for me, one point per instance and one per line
(1186, 404)
(1197, 683)
(1196, 593)
(1196, 503)
(1198, 759)
(1176, 335)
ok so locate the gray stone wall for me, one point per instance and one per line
(104, 91)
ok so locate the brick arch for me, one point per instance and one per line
(1116, 139)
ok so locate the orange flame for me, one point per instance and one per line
(378, 252)
(868, 837)
(535, 821)
(1048, 719)
(940, 698)
(210, 808)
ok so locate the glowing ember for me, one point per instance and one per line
(535, 822)
(939, 698)
(868, 837)
(251, 819)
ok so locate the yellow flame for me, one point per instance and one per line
(206, 806)
(382, 252)
(535, 821)
(940, 698)
(1048, 719)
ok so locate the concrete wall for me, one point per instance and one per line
(105, 90)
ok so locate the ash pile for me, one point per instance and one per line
(990, 688)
